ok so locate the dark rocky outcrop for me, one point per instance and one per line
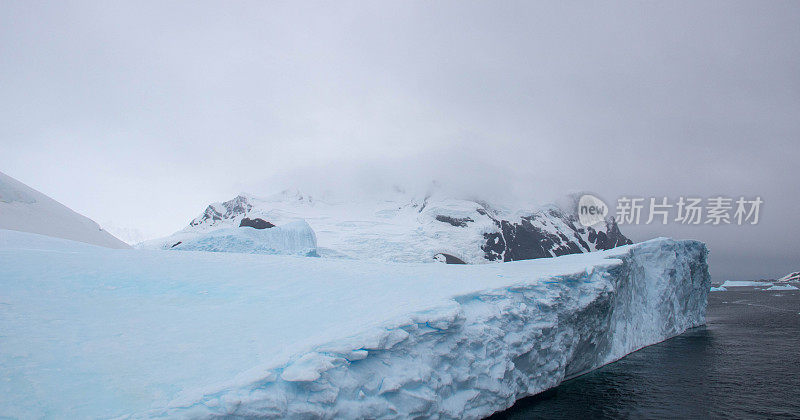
(255, 223)
(448, 259)
(611, 238)
(455, 221)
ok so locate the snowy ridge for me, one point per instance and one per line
(484, 350)
(404, 228)
(24, 209)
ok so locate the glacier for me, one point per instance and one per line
(87, 331)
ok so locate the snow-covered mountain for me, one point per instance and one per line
(403, 228)
(24, 209)
(790, 277)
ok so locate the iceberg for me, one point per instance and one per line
(293, 238)
(96, 332)
(719, 289)
(745, 283)
(785, 287)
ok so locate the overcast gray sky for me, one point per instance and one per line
(139, 114)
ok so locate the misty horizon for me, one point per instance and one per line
(140, 116)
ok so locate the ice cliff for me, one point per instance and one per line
(94, 332)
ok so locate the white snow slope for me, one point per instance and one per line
(90, 332)
(24, 209)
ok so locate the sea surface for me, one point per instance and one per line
(745, 363)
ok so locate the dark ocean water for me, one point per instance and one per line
(745, 363)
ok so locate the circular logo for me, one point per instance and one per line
(591, 210)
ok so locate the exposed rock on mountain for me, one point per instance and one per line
(791, 277)
(447, 258)
(543, 235)
(217, 212)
